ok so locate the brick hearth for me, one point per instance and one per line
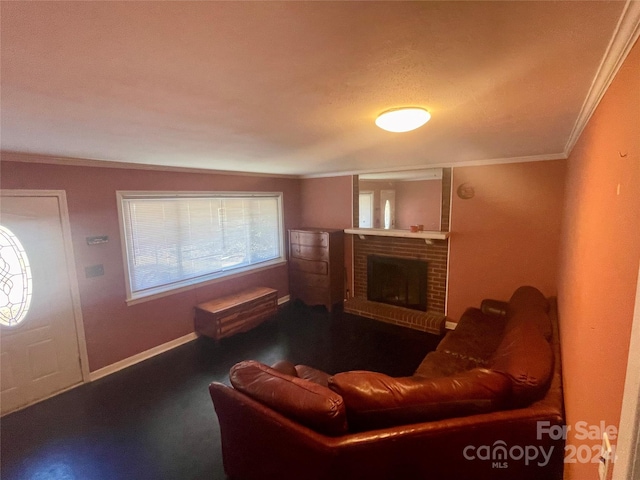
(424, 321)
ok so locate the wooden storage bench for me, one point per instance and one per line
(236, 313)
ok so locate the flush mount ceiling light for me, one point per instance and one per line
(402, 119)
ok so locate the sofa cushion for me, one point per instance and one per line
(310, 404)
(444, 364)
(375, 400)
(526, 357)
(475, 337)
(286, 367)
(312, 374)
(303, 371)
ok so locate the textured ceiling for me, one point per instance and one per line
(294, 87)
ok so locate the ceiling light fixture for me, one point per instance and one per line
(403, 119)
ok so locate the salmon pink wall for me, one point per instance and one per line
(115, 331)
(507, 235)
(327, 203)
(418, 203)
(599, 259)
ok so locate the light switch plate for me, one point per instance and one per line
(606, 456)
(94, 271)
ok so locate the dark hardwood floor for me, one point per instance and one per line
(155, 420)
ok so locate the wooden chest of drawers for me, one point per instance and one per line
(316, 266)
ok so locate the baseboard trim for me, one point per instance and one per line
(285, 299)
(152, 352)
(450, 325)
(22, 407)
(140, 357)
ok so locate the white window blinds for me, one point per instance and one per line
(173, 240)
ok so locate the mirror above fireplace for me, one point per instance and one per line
(406, 200)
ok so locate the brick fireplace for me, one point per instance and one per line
(397, 281)
(435, 254)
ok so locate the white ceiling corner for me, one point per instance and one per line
(623, 39)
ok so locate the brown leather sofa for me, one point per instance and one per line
(486, 404)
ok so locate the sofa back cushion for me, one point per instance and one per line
(528, 304)
(475, 338)
(375, 400)
(310, 404)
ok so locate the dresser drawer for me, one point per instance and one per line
(309, 266)
(316, 266)
(309, 252)
(314, 239)
(303, 280)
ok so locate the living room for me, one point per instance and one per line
(568, 224)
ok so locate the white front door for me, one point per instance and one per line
(365, 204)
(40, 356)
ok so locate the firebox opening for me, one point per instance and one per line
(397, 281)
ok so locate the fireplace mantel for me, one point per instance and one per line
(428, 236)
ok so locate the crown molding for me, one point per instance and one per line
(10, 156)
(501, 161)
(624, 37)
(24, 157)
(467, 163)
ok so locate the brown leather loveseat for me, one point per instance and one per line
(486, 404)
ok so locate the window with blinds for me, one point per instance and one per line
(174, 240)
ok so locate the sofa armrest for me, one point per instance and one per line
(307, 402)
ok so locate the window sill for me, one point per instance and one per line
(154, 295)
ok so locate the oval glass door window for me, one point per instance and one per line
(387, 215)
(16, 285)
